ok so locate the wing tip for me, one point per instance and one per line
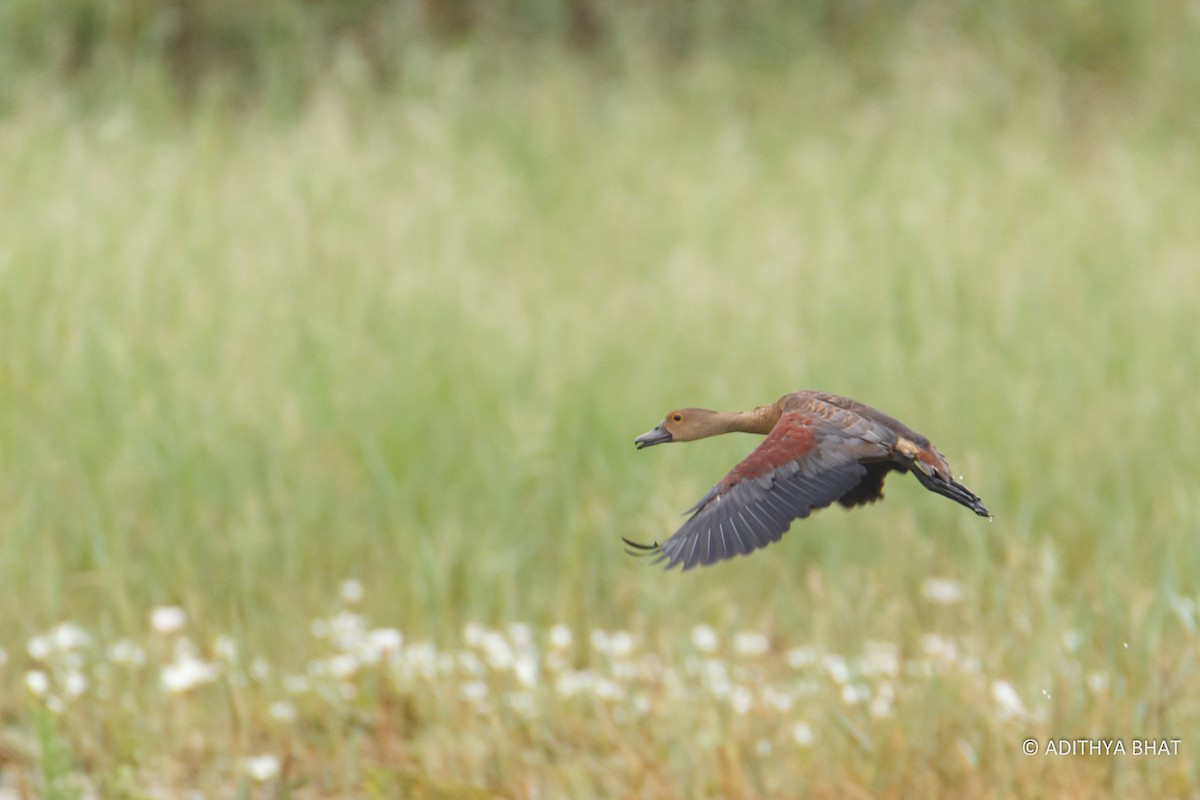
(656, 553)
(643, 550)
(640, 549)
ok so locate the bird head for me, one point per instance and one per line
(681, 425)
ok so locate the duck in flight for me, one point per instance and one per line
(819, 448)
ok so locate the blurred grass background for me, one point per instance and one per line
(292, 292)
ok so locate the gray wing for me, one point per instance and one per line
(805, 463)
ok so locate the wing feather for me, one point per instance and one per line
(742, 546)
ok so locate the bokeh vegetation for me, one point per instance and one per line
(296, 293)
(289, 46)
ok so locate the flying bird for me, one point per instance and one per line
(819, 448)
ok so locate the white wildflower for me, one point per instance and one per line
(75, 683)
(126, 653)
(799, 657)
(37, 682)
(852, 694)
(704, 638)
(573, 682)
(750, 643)
(225, 648)
(421, 658)
(777, 698)
(470, 664)
(803, 734)
(880, 658)
(620, 644)
(939, 648)
(474, 691)
(497, 651)
(473, 634)
(607, 689)
(1007, 699)
(942, 591)
(386, 640)
(342, 665)
(39, 647)
(526, 669)
(69, 636)
(261, 768)
(167, 619)
(741, 699)
(186, 674)
(351, 591)
(520, 633)
(560, 637)
(836, 666)
(63, 641)
(282, 711)
(347, 629)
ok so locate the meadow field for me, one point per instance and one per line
(316, 428)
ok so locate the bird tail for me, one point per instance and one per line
(935, 481)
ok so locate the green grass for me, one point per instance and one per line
(408, 338)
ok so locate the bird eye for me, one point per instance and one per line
(677, 417)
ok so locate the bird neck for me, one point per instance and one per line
(757, 420)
